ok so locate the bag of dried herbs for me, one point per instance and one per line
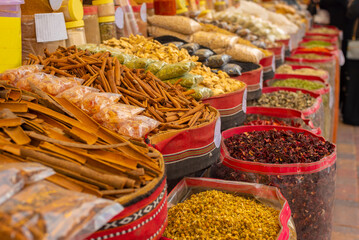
(279, 117)
(174, 70)
(187, 80)
(307, 102)
(298, 162)
(314, 84)
(203, 208)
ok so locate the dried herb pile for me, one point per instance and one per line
(217, 215)
(298, 83)
(302, 71)
(284, 99)
(87, 157)
(277, 147)
(173, 106)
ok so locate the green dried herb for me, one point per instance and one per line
(298, 83)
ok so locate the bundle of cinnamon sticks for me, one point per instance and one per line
(172, 105)
(87, 157)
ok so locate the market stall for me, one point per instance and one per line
(112, 113)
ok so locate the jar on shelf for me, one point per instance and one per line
(150, 9)
(220, 6)
(105, 7)
(165, 7)
(107, 27)
(92, 29)
(29, 42)
(140, 15)
(181, 8)
(72, 9)
(75, 33)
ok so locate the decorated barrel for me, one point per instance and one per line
(254, 81)
(287, 45)
(144, 216)
(190, 150)
(231, 106)
(267, 195)
(314, 113)
(279, 53)
(268, 64)
(257, 115)
(325, 92)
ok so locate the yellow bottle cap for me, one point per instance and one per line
(106, 19)
(75, 24)
(182, 10)
(99, 2)
(219, 3)
(181, 4)
(76, 9)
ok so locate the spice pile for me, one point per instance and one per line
(301, 71)
(271, 122)
(323, 30)
(285, 99)
(87, 157)
(298, 83)
(311, 56)
(171, 105)
(140, 46)
(219, 215)
(277, 147)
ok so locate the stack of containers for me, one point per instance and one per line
(73, 12)
(106, 18)
(92, 29)
(10, 41)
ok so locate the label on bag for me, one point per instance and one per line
(217, 133)
(119, 18)
(261, 81)
(143, 12)
(273, 63)
(244, 101)
(50, 27)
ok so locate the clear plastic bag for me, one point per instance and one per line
(267, 195)
(190, 47)
(13, 75)
(203, 54)
(14, 176)
(76, 94)
(115, 112)
(48, 83)
(188, 80)
(308, 187)
(180, 24)
(202, 93)
(155, 66)
(46, 211)
(217, 61)
(232, 70)
(94, 102)
(245, 53)
(135, 127)
(138, 63)
(214, 40)
(174, 70)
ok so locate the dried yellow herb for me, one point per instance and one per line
(217, 215)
